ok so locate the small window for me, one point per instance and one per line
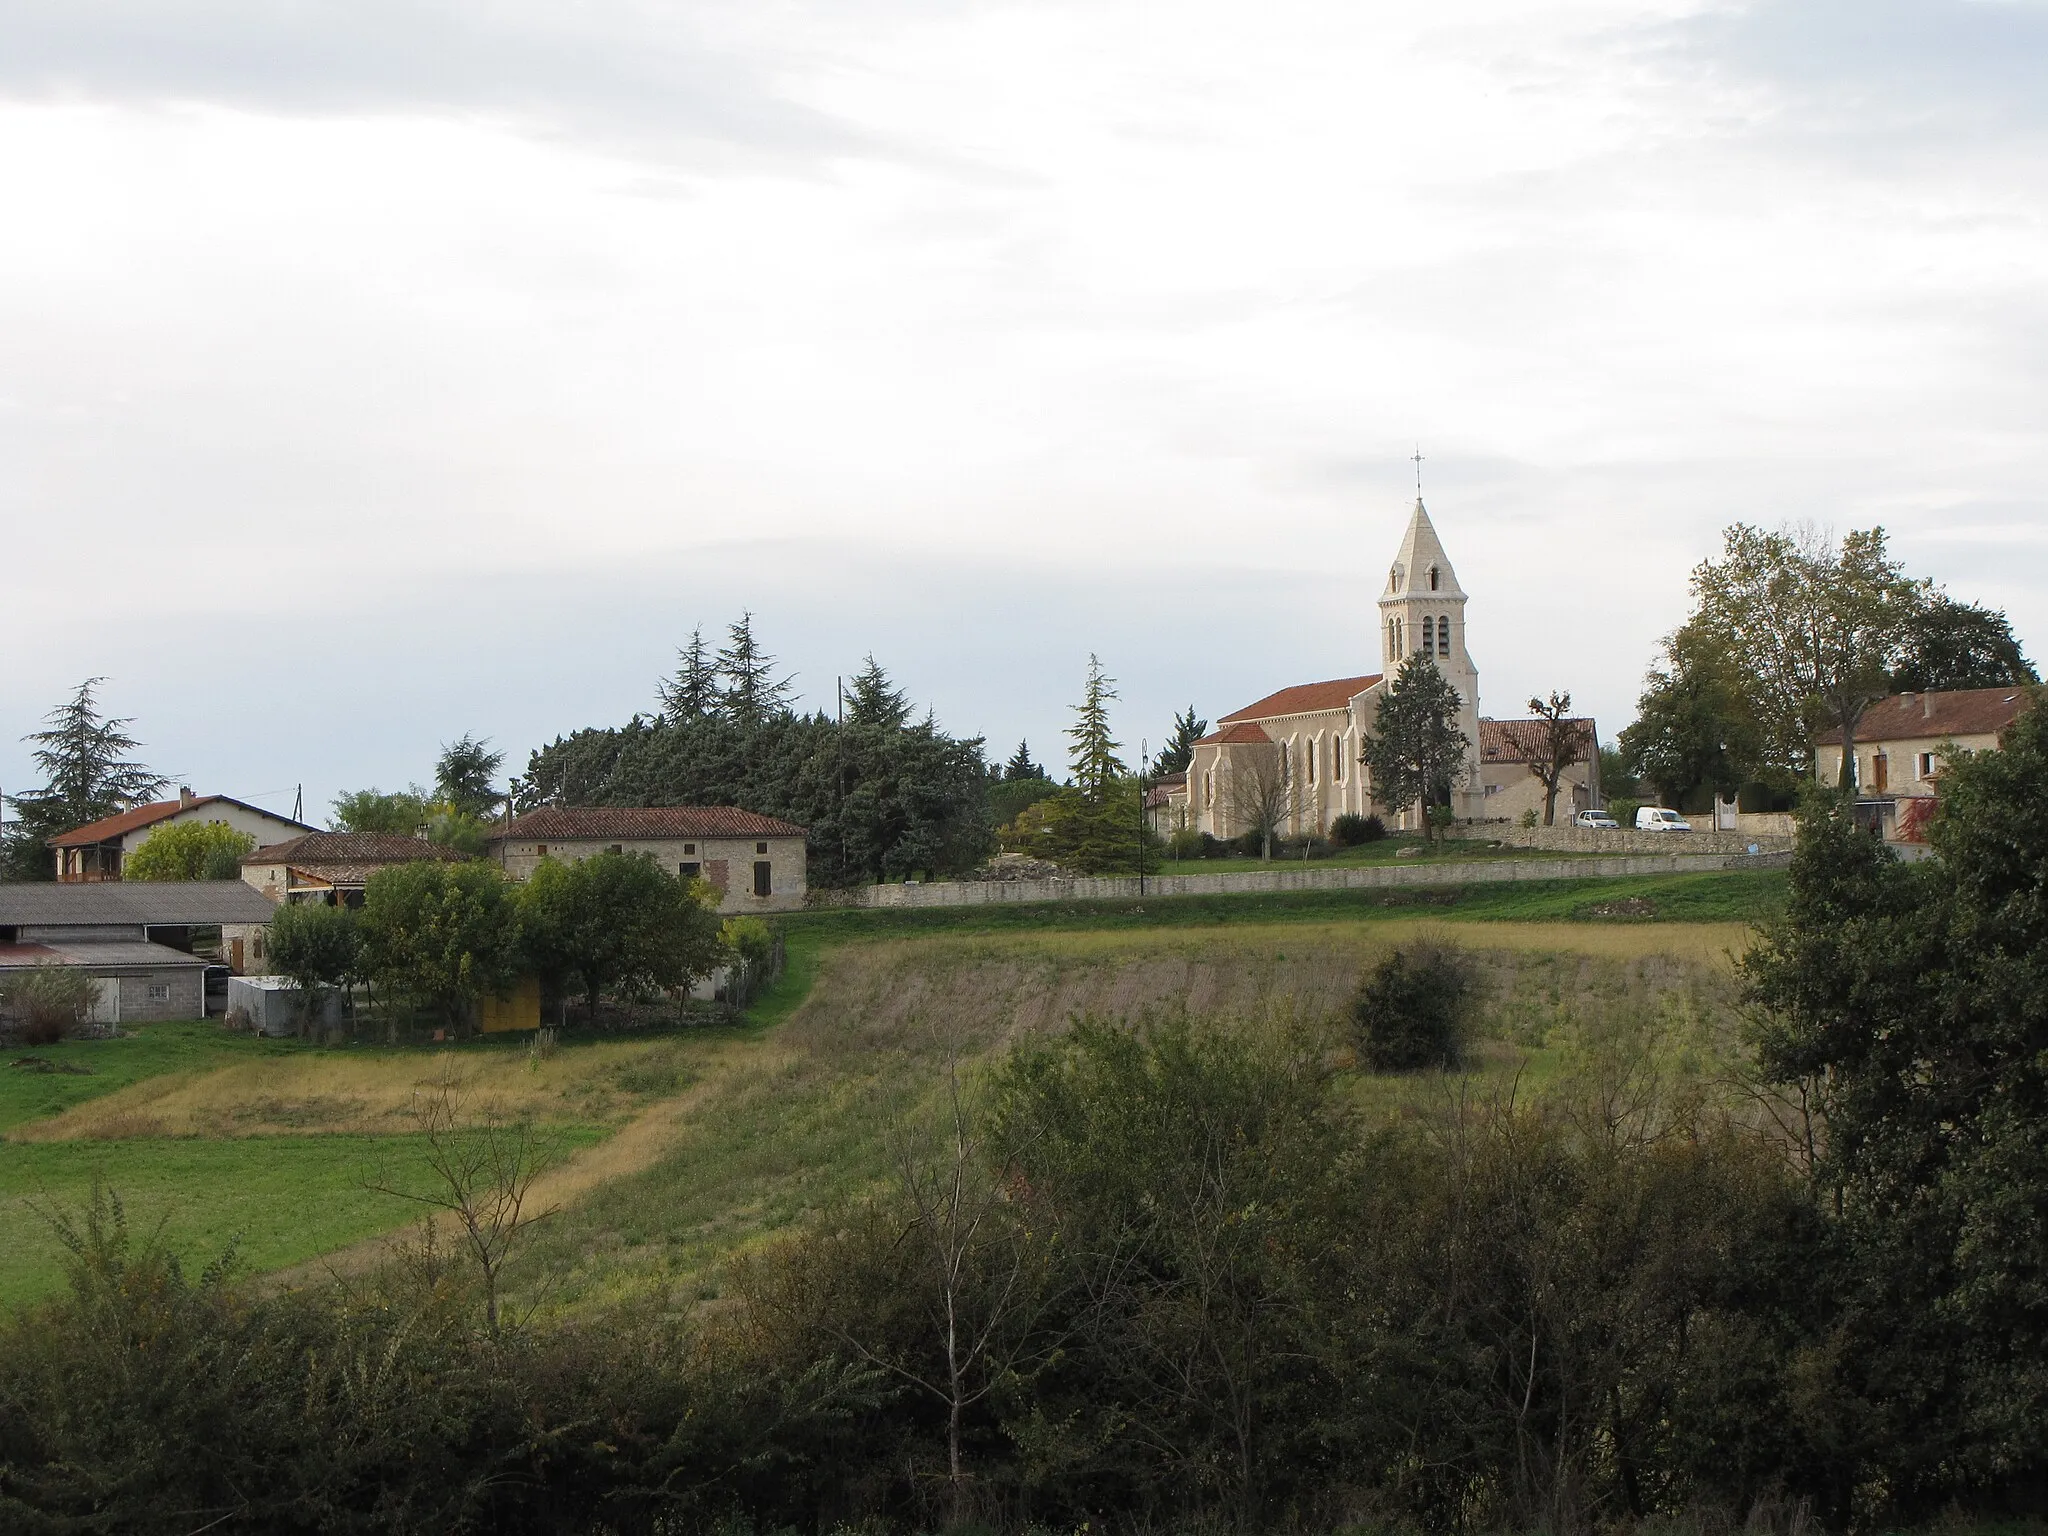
(540, 850)
(257, 947)
(690, 869)
(1926, 765)
(689, 847)
(159, 994)
(763, 872)
(760, 847)
(616, 848)
(1433, 573)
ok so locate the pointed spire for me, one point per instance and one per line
(1421, 568)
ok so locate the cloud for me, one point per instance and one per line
(656, 81)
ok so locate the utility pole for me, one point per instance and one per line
(1144, 755)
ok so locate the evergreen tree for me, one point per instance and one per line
(1020, 765)
(1179, 750)
(1092, 758)
(87, 776)
(465, 777)
(1414, 748)
(693, 693)
(874, 700)
(752, 693)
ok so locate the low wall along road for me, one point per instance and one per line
(976, 893)
(1628, 840)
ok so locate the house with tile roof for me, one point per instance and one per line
(335, 867)
(100, 849)
(1311, 734)
(1904, 741)
(1508, 751)
(756, 863)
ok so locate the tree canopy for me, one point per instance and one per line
(439, 935)
(190, 850)
(87, 775)
(883, 794)
(1179, 750)
(465, 777)
(1414, 748)
(616, 922)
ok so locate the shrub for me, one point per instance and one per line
(49, 1000)
(1352, 830)
(1187, 843)
(1624, 811)
(1411, 1011)
(749, 938)
(1528, 818)
(190, 850)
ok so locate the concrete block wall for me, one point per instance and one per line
(972, 893)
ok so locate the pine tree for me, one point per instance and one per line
(1020, 765)
(1093, 759)
(86, 777)
(1415, 749)
(752, 693)
(1179, 750)
(693, 693)
(874, 700)
(464, 776)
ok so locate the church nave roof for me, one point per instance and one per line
(1304, 699)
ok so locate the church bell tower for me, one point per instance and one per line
(1423, 610)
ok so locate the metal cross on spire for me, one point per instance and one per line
(1418, 471)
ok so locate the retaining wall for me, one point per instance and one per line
(980, 893)
(1628, 840)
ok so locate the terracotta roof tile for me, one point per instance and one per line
(135, 818)
(1304, 698)
(625, 823)
(1522, 741)
(1243, 734)
(353, 850)
(1962, 712)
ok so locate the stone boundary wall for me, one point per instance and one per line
(1628, 840)
(983, 893)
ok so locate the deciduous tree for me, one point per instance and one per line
(1561, 742)
(190, 850)
(1951, 645)
(439, 935)
(1813, 630)
(617, 921)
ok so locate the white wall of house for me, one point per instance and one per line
(261, 825)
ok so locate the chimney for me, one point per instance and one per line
(185, 797)
(1926, 706)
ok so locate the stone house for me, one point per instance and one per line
(99, 849)
(1507, 751)
(334, 867)
(1312, 733)
(1901, 745)
(756, 863)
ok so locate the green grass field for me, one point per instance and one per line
(689, 1147)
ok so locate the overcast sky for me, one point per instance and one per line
(373, 372)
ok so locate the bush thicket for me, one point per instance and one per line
(1352, 830)
(1412, 1008)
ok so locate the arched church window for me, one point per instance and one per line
(1428, 635)
(1443, 635)
(1339, 750)
(1433, 575)
(1311, 759)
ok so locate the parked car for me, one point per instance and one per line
(1596, 819)
(1655, 818)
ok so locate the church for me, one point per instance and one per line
(1299, 748)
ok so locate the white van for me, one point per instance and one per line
(1654, 818)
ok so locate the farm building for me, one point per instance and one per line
(334, 867)
(133, 937)
(756, 863)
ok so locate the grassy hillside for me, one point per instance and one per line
(681, 1149)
